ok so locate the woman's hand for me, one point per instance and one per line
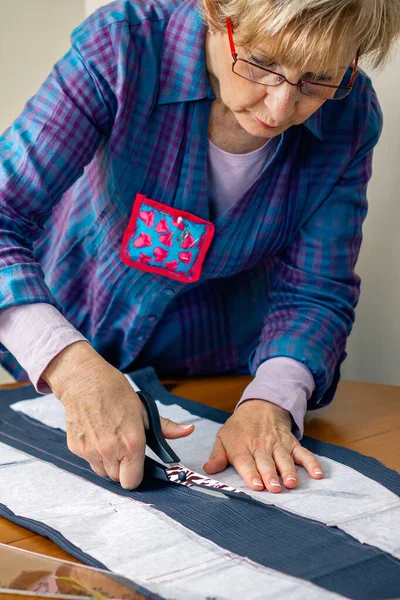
(257, 440)
(105, 418)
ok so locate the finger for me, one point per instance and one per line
(131, 471)
(218, 460)
(172, 430)
(266, 467)
(75, 444)
(132, 460)
(94, 459)
(286, 467)
(245, 465)
(105, 455)
(98, 468)
(112, 468)
(306, 459)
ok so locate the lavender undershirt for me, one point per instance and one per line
(36, 333)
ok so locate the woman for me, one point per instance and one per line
(188, 188)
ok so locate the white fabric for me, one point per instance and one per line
(137, 541)
(344, 498)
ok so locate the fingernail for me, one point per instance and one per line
(318, 472)
(291, 478)
(275, 483)
(186, 426)
(258, 482)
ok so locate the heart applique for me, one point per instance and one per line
(179, 224)
(162, 226)
(160, 254)
(147, 217)
(142, 240)
(185, 257)
(143, 258)
(166, 239)
(187, 242)
(172, 265)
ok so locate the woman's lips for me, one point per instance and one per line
(265, 124)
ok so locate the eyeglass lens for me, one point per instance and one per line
(256, 74)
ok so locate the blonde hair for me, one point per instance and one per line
(299, 30)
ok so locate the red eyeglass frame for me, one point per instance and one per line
(300, 83)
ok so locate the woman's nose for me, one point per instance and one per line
(281, 101)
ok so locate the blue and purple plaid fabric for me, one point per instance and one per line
(125, 111)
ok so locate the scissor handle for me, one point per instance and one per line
(154, 469)
(154, 436)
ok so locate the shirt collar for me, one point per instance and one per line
(314, 124)
(183, 70)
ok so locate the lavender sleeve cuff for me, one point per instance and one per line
(35, 334)
(285, 382)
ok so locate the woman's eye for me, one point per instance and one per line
(322, 78)
(261, 62)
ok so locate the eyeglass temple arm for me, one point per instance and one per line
(230, 38)
(355, 67)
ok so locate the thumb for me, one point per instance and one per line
(172, 430)
(218, 460)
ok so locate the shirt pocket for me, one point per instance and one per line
(165, 240)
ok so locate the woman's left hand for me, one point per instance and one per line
(258, 441)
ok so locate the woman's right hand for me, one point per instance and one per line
(105, 418)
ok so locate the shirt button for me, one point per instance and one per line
(152, 318)
(140, 338)
(169, 292)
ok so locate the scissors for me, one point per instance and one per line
(173, 470)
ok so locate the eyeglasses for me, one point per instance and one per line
(257, 74)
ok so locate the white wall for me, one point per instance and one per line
(91, 5)
(35, 33)
(374, 345)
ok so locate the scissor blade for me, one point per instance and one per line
(184, 476)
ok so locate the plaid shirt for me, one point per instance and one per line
(125, 111)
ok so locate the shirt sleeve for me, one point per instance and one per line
(35, 334)
(314, 287)
(285, 382)
(45, 151)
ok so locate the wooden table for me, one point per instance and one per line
(364, 417)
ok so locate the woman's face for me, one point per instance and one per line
(262, 111)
